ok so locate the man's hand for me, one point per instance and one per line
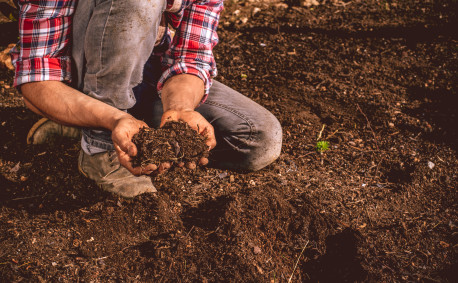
(180, 96)
(196, 122)
(123, 131)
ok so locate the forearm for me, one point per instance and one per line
(65, 105)
(182, 93)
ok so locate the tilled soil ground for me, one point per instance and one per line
(376, 79)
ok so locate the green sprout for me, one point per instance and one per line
(322, 146)
(12, 17)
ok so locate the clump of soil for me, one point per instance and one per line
(174, 142)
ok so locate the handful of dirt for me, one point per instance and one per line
(174, 142)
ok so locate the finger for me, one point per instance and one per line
(131, 149)
(147, 172)
(126, 146)
(209, 133)
(150, 167)
(125, 161)
(191, 165)
(142, 124)
(203, 161)
(168, 116)
(163, 167)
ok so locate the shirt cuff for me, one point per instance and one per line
(183, 68)
(42, 69)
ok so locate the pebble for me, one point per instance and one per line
(256, 10)
(256, 250)
(54, 263)
(431, 165)
(391, 125)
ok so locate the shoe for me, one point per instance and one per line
(44, 130)
(104, 168)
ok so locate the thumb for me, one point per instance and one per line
(126, 146)
(130, 148)
(170, 115)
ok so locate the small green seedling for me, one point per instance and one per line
(322, 146)
(12, 17)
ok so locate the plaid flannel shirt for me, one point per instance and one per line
(44, 52)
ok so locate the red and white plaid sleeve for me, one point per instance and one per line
(43, 52)
(191, 51)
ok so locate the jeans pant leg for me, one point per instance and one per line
(248, 136)
(112, 40)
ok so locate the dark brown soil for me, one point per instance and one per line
(376, 79)
(175, 142)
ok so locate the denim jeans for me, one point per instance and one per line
(112, 45)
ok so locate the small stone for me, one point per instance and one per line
(232, 179)
(431, 165)
(391, 125)
(310, 3)
(281, 6)
(253, 183)
(24, 178)
(256, 10)
(256, 250)
(54, 263)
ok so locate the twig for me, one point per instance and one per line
(120, 251)
(14, 199)
(304, 155)
(369, 125)
(25, 264)
(331, 135)
(187, 234)
(321, 132)
(297, 261)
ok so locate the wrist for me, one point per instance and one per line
(182, 92)
(117, 118)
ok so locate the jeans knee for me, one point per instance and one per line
(267, 147)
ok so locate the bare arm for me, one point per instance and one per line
(65, 105)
